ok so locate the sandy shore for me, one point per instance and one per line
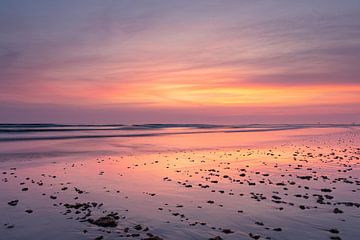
(302, 187)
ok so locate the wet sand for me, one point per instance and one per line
(297, 184)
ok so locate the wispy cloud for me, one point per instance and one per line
(180, 54)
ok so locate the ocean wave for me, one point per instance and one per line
(27, 132)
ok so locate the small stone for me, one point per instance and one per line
(13, 203)
(215, 238)
(107, 221)
(138, 227)
(227, 231)
(29, 211)
(337, 211)
(334, 230)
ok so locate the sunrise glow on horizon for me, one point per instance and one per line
(180, 61)
(179, 119)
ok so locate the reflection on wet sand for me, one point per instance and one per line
(298, 184)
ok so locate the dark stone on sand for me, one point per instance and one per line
(350, 204)
(329, 197)
(335, 238)
(29, 211)
(276, 197)
(13, 203)
(326, 190)
(334, 230)
(305, 177)
(79, 191)
(138, 227)
(216, 238)
(107, 221)
(227, 231)
(153, 238)
(337, 211)
(24, 189)
(81, 206)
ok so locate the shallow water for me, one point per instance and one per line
(282, 184)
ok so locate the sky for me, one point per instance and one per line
(180, 61)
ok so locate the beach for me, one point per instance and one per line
(179, 181)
